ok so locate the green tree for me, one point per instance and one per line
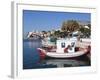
(44, 32)
(70, 26)
(57, 33)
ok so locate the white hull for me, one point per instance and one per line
(64, 55)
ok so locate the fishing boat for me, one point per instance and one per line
(63, 55)
(65, 49)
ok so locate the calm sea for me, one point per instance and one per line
(31, 58)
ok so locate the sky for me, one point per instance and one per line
(48, 20)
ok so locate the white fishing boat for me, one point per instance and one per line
(63, 49)
(63, 55)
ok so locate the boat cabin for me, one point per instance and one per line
(66, 43)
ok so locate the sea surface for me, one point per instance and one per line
(31, 58)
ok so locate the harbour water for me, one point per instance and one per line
(31, 58)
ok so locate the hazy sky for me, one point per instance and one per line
(47, 20)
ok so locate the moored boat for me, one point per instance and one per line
(66, 48)
(65, 54)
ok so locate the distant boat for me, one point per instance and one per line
(47, 42)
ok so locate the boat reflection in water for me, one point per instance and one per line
(76, 62)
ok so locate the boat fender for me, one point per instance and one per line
(66, 50)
